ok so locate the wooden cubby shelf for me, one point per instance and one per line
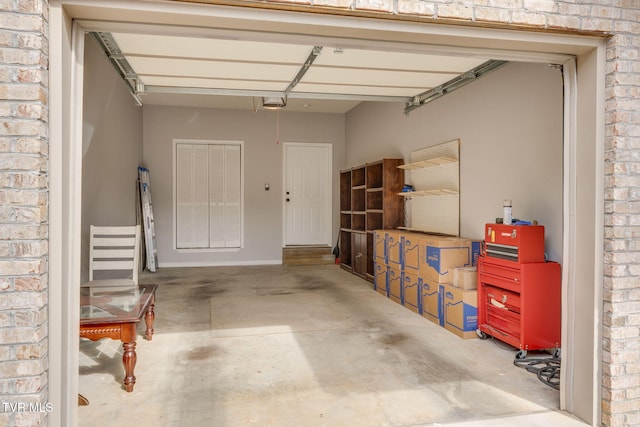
(369, 200)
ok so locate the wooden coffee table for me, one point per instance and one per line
(114, 312)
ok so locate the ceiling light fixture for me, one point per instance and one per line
(274, 102)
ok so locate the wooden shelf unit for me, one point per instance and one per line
(369, 200)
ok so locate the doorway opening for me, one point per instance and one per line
(583, 122)
(307, 201)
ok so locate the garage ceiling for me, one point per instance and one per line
(208, 72)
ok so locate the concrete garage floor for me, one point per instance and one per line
(303, 346)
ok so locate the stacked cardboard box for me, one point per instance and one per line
(465, 278)
(430, 275)
(411, 283)
(460, 310)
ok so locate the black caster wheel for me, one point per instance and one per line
(481, 335)
(522, 354)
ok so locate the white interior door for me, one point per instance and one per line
(307, 195)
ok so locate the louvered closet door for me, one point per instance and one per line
(192, 200)
(224, 196)
(232, 210)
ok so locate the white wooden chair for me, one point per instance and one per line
(114, 251)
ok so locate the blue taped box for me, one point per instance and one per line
(430, 302)
(460, 309)
(475, 252)
(394, 247)
(380, 278)
(394, 286)
(441, 255)
(411, 282)
(411, 250)
(380, 246)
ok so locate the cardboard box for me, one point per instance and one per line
(380, 278)
(379, 246)
(411, 250)
(411, 289)
(394, 248)
(394, 284)
(441, 255)
(430, 302)
(465, 277)
(460, 309)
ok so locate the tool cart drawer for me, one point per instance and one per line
(505, 322)
(502, 298)
(499, 275)
(512, 274)
(503, 310)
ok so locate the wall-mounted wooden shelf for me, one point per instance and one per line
(422, 164)
(438, 192)
(434, 205)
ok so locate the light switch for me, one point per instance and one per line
(266, 187)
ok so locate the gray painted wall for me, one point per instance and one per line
(509, 124)
(263, 210)
(111, 147)
(510, 127)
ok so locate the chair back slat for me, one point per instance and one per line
(102, 254)
(113, 249)
(118, 241)
(112, 265)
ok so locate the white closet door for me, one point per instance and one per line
(233, 193)
(217, 234)
(200, 196)
(184, 163)
(208, 196)
(192, 209)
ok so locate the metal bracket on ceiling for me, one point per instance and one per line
(463, 79)
(119, 61)
(315, 52)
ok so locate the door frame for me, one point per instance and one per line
(329, 186)
(585, 149)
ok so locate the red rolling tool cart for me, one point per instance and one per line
(519, 294)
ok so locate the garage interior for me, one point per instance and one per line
(216, 316)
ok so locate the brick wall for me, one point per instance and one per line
(23, 180)
(23, 212)
(621, 346)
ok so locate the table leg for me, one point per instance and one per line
(149, 318)
(129, 360)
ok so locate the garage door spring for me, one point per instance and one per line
(546, 368)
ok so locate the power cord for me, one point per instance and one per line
(546, 368)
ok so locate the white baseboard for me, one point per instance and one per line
(219, 263)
